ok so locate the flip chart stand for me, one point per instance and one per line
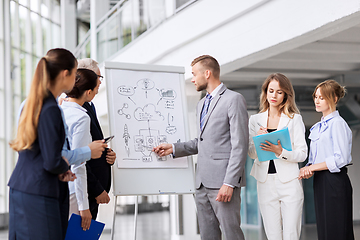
(135, 217)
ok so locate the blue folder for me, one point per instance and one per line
(282, 135)
(75, 231)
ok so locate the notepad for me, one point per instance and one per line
(75, 231)
(282, 135)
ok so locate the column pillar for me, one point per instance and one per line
(8, 103)
(68, 24)
(98, 9)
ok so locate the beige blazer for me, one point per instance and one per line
(287, 163)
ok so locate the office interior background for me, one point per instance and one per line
(309, 41)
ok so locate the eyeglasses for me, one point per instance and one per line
(101, 77)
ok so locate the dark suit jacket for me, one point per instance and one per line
(37, 169)
(98, 170)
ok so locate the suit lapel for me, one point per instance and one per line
(212, 106)
(89, 110)
(93, 117)
(263, 120)
(284, 121)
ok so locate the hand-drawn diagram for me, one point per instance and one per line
(146, 141)
(126, 137)
(170, 129)
(169, 96)
(147, 115)
(121, 111)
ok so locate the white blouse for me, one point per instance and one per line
(79, 135)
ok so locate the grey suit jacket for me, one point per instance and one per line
(222, 145)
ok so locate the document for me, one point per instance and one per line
(75, 231)
(282, 135)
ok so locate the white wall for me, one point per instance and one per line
(239, 33)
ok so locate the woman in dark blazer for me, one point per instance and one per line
(34, 188)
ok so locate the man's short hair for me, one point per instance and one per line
(88, 63)
(209, 63)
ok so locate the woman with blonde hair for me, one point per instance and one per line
(280, 192)
(34, 184)
(330, 153)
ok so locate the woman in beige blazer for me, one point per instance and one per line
(280, 192)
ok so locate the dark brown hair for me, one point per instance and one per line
(288, 106)
(85, 80)
(209, 63)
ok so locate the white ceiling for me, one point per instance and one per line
(337, 56)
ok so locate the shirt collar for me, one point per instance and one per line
(73, 105)
(216, 90)
(330, 116)
(321, 126)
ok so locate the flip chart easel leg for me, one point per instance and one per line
(113, 224)
(195, 203)
(136, 214)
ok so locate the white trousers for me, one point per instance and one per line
(281, 207)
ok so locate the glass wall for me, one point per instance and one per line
(249, 204)
(127, 21)
(34, 27)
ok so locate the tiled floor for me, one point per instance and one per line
(156, 226)
(150, 226)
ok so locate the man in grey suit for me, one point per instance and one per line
(222, 146)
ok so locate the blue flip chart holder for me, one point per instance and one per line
(75, 231)
(282, 135)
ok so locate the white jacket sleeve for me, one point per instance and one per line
(81, 186)
(252, 133)
(81, 138)
(299, 146)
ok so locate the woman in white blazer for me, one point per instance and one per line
(280, 192)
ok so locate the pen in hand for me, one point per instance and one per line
(262, 130)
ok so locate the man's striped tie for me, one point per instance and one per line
(205, 110)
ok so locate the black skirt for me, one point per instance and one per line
(64, 206)
(333, 205)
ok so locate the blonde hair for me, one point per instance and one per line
(45, 75)
(288, 105)
(331, 91)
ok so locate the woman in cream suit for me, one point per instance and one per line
(280, 192)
